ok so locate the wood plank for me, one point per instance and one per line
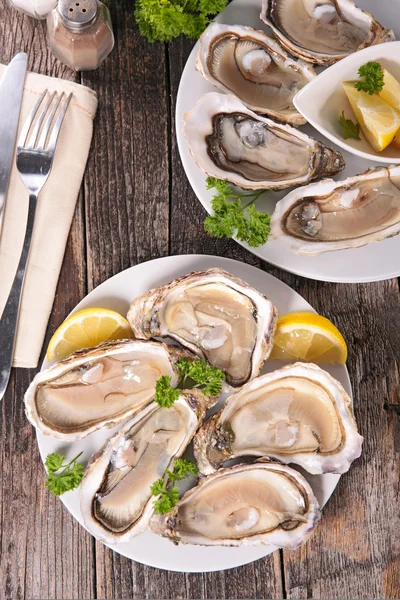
(44, 553)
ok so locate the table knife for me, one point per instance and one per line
(11, 91)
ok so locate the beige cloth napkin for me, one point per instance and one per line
(53, 216)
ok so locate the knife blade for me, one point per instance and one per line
(11, 91)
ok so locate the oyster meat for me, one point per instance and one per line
(322, 31)
(215, 315)
(298, 414)
(252, 504)
(98, 388)
(229, 141)
(116, 499)
(332, 215)
(255, 68)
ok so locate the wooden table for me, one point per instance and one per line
(135, 205)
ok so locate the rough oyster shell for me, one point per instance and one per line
(98, 388)
(298, 414)
(252, 504)
(255, 68)
(333, 215)
(229, 141)
(215, 315)
(322, 32)
(116, 499)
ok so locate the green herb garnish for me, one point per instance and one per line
(373, 78)
(62, 477)
(168, 494)
(350, 129)
(163, 20)
(204, 376)
(166, 395)
(231, 218)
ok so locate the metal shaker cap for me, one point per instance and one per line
(77, 14)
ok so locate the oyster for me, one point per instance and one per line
(116, 500)
(229, 141)
(255, 68)
(322, 31)
(298, 414)
(98, 388)
(215, 315)
(332, 215)
(252, 504)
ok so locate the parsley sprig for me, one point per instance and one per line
(62, 477)
(163, 20)
(373, 78)
(204, 376)
(166, 395)
(350, 129)
(168, 494)
(232, 218)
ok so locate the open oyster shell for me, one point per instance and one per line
(215, 315)
(298, 414)
(332, 215)
(116, 499)
(322, 31)
(255, 68)
(229, 141)
(252, 504)
(98, 388)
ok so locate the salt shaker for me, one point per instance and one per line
(80, 33)
(38, 9)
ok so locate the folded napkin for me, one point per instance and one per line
(53, 216)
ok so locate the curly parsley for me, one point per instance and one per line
(373, 78)
(166, 395)
(163, 20)
(168, 494)
(204, 376)
(233, 219)
(350, 129)
(62, 477)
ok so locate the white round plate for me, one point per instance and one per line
(117, 293)
(374, 262)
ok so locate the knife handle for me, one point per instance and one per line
(9, 318)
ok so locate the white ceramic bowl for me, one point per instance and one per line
(322, 101)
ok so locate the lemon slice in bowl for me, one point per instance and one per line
(309, 337)
(85, 329)
(390, 92)
(378, 121)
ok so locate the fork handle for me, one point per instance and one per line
(9, 318)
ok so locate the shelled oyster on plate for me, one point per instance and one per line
(333, 215)
(116, 499)
(252, 504)
(97, 388)
(255, 68)
(322, 31)
(229, 141)
(217, 316)
(298, 414)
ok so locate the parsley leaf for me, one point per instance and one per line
(202, 374)
(62, 477)
(373, 78)
(166, 395)
(163, 20)
(233, 219)
(350, 129)
(168, 495)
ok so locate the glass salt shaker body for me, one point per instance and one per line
(80, 33)
(38, 9)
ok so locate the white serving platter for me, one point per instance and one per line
(375, 262)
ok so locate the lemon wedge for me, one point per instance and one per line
(310, 337)
(390, 92)
(85, 329)
(378, 121)
(396, 140)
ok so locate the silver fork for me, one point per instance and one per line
(35, 153)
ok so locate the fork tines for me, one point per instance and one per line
(39, 132)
